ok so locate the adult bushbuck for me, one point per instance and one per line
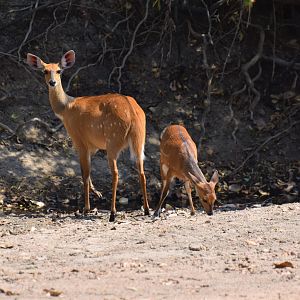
(178, 158)
(110, 122)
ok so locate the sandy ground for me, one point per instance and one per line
(230, 255)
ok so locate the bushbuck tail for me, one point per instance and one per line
(109, 122)
(178, 158)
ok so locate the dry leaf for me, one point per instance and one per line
(8, 292)
(285, 264)
(6, 246)
(263, 193)
(53, 292)
(197, 247)
(252, 243)
(290, 186)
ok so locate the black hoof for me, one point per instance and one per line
(156, 213)
(146, 212)
(112, 217)
(192, 213)
(86, 211)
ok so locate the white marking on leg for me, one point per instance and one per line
(142, 153)
(132, 154)
(165, 169)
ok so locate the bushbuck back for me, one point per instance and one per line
(110, 122)
(178, 158)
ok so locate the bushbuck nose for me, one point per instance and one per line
(52, 82)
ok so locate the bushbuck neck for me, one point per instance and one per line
(191, 167)
(58, 99)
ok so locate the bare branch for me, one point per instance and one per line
(252, 62)
(5, 127)
(207, 101)
(6, 94)
(209, 22)
(29, 29)
(233, 41)
(271, 138)
(120, 68)
(34, 120)
(289, 64)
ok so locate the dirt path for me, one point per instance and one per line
(230, 255)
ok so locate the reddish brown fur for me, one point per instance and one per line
(111, 122)
(178, 158)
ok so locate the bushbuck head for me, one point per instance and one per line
(206, 191)
(52, 71)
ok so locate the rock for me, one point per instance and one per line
(123, 201)
(197, 247)
(236, 188)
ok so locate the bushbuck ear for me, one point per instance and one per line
(215, 178)
(34, 61)
(194, 179)
(68, 59)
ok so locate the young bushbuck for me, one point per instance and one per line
(112, 122)
(178, 158)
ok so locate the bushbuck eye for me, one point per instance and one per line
(204, 200)
(58, 71)
(46, 72)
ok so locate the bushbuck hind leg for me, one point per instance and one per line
(85, 164)
(164, 194)
(189, 193)
(114, 171)
(140, 167)
(94, 190)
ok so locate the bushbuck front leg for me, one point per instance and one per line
(140, 167)
(164, 194)
(189, 193)
(85, 164)
(114, 171)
